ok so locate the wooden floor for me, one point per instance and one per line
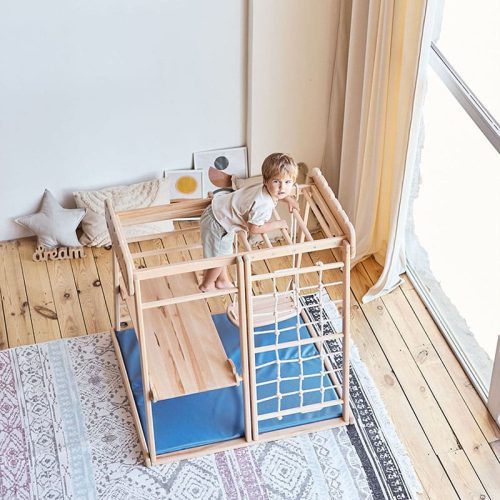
(452, 441)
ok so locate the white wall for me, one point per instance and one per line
(106, 92)
(102, 92)
(291, 56)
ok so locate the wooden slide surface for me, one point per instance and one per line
(185, 353)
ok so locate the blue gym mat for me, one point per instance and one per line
(214, 416)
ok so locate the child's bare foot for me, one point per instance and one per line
(219, 178)
(221, 284)
(206, 287)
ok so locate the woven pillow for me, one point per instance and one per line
(140, 195)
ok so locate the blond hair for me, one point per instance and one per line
(279, 165)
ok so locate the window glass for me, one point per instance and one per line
(453, 237)
(470, 41)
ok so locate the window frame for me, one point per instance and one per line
(465, 97)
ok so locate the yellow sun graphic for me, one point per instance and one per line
(186, 184)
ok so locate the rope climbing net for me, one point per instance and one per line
(291, 367)
(294, 368)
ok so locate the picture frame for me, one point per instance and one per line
(185, 184)
(218, 166)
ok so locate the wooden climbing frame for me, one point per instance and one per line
(172, 319)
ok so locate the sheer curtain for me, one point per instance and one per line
(377, 59)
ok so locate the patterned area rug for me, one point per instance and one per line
(66, 431)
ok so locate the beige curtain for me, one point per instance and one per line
(373, 93)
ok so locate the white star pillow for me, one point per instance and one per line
(54, 225)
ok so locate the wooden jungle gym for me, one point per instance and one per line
(200, 383)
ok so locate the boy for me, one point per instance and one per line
(248, 209)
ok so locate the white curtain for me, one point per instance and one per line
(378, 54)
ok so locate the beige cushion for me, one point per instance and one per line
(140, 195)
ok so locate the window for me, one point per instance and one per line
(453, 238)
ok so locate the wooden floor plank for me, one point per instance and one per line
(134, 247)
(39, 292)
(402, 362)
(332, 275)
(428, 467)
(261, 287)
(456, 412)
(175, 240)
(15, 302)
(475, 404)
(277, 264)
(65, 295)
(4, 344)
(495, 446)
(104, 265)
(422, 400)
(154, 260)
(90, 294)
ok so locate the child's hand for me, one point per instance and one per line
(292, 203)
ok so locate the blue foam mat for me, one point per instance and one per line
(215, 416)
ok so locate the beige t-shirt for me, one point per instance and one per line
(252, 204)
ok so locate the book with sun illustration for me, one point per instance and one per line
(184, 185)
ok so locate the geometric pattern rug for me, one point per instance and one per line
(66, 431)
